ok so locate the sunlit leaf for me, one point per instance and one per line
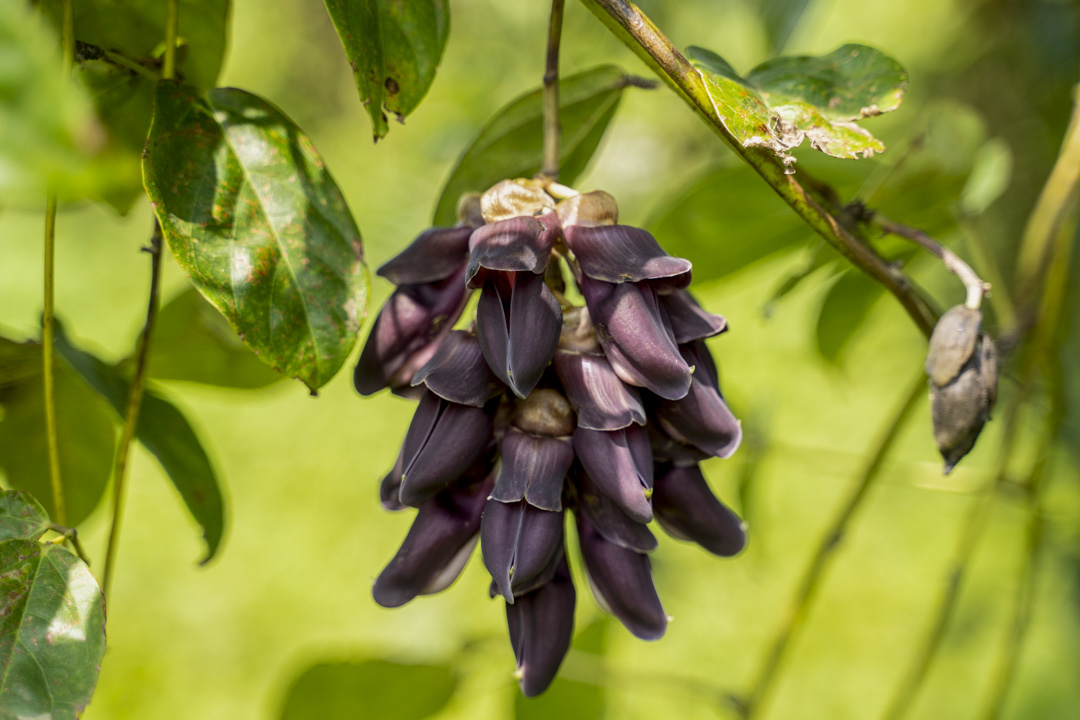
(788, 99)
(255, 219)
(394, 49)
(989, 177)
(726, 222)
(510, 145)
(166, 433)
(85, 428)
(52, 631)
(21, 516)
(193, 342)
(369, 689)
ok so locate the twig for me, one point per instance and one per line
(976, 286)
(807, 592)
(172, 22)
(552, 129)
(72, 535)
(86, 52)
(640, 35)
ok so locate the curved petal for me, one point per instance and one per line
(610, 520)
(437, 547)
(620, 464)
(702, 418)
(689, 321)
(636, 336)
(602, 400)
(541, 627)
(687, 509)
(390, 487)
(407, 332)
(621, 579)
(519, 244)
(434, 255)
(533, 469)
(620, 253)
(459, 373)
(518, 322)
(667, 449)
(443, 442)
(521, 546)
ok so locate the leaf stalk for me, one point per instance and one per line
(550, 166)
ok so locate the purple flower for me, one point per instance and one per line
(521, 546)
(541, 626)
(537, 452)
(620, 464)
(686, 508)
(458, 372)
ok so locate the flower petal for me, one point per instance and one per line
(435, 254)
(702, 418)
(636, 336)
(602, 400)
(610, 521)
(541, 627)
(521, 545)
(687, 509)
(437, 547)
(390, 487)
(620, 464)
(620, 253)
(621, 580)
(667, 449)
(407, 332)
(533, 469)
(519, 244)
(444, 440)
(689, 321)
(458, 372)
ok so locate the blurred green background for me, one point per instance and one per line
(306, 535)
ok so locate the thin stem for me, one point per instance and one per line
(631, 26)
(552, 129)
(808, 588)
(1000, 298)
(72, 535)
(172, 21)
(131, 415)
(67, 35)
(86, 52)
(48, 355)
(976, 286)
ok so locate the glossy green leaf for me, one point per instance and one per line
(727, 221)
(788, 99)
(255, 219)
(21, 516)
(193, 342)
(510, 145)
(847, 304)
(375, 689)
(52, 631)
(85, 427)
(166, 433)
(394, 49)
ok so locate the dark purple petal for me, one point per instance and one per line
(444, 440)
(667, 449)
(602, 400)
(520, 244)
(437, 547)
(533, 469)
(702, 418)
(689, 321)
(620, 253)
(621, 580)
(435, 255)
(620, 463)
(636, 336)
(390, 488)
(518, 322)
(541, 627)
(521, 546)
(610, 521)
(458, 372)
(687, 509)
(407, 332)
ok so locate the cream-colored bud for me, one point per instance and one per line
(511, 198)
(545, 412)
(591, 208)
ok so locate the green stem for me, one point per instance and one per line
(631, 26)
(172, 22)
(550, 167)
(49, 357)
(808, 588)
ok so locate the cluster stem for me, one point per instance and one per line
(552, 129)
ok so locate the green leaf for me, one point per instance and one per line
(193, 342)
(847, 304)
(369, 689)
(52, 631)
(779, 19)
(989, 177)
(393, 49)
(21, 516)
(753, 224)
(786, 100)
(85, 428)
(510, 145)
(254, 218)
(166, 433)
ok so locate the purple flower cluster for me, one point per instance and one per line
(540, 407)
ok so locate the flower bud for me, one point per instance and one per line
(588, 209)
(514, 198)
(521, 546)
(620, 464)
(459, 373)
(541, 627)
(687, 510)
